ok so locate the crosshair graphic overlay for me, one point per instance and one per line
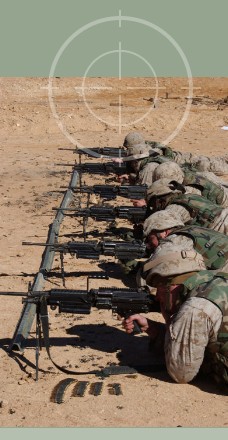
(118, 120)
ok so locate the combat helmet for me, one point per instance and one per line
(165, 266)
(137, 152)
(163, 187)
(160, 221)
(170, 170)
(133, 138)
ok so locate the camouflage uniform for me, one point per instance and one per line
(184, 352)
(208, 185)
(187, 206)
(145, 175)
(146, 163)
(178, 157)
(212, 245)
(215, 164)
(198, 331)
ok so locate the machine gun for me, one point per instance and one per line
(110, 192)
(105, 151)
(99, 151)
(94, 249)
(124, 302)
(96, 168)
(108, 213)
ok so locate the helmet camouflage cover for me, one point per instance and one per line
(133, 138)
(160, 221)
(163, 266)
(138, 151)
(170, 170)
(161, 187)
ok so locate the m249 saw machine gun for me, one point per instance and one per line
(99, 152)
(110, 192)
(96, 168)
(107, 213)
(124, 302)
(94, 249)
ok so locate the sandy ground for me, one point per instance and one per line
(30, 185)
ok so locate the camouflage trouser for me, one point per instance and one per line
(192, 329)
(217, 165)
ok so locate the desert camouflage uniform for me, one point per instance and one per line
(206, 184)
(147, 169)
(186, 244)
(198, 332)
(219, 223)
(194, 327)
(178, 157)
(215, 164)
(145, 176)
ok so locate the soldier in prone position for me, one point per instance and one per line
(163, 231)
(193, 208)
(214, 164)
(206, 184)
(194, 304)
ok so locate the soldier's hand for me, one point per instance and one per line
(139, 203)
(128, 323)
(123, 178)
(117, 160)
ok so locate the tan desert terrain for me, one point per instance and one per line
(31, 185)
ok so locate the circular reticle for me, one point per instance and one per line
(120, 124)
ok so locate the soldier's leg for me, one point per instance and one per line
(195, 325)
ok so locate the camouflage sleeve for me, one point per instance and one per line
(191, 190)
(212, 177)
(218, 165)
(225, 198)
(183, 158)
(146, 175)
(192, 329)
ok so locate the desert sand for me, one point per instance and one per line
(31, 185)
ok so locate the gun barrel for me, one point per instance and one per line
(104, 151)
(65, 164)
(14, 294)
(109, 213)
(30, 243)
(112, 191)
(122, 301)
(67, 149)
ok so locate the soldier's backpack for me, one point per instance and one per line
(202, 210)
(209, 189)
(212, 245)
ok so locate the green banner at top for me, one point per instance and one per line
(150, 38)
